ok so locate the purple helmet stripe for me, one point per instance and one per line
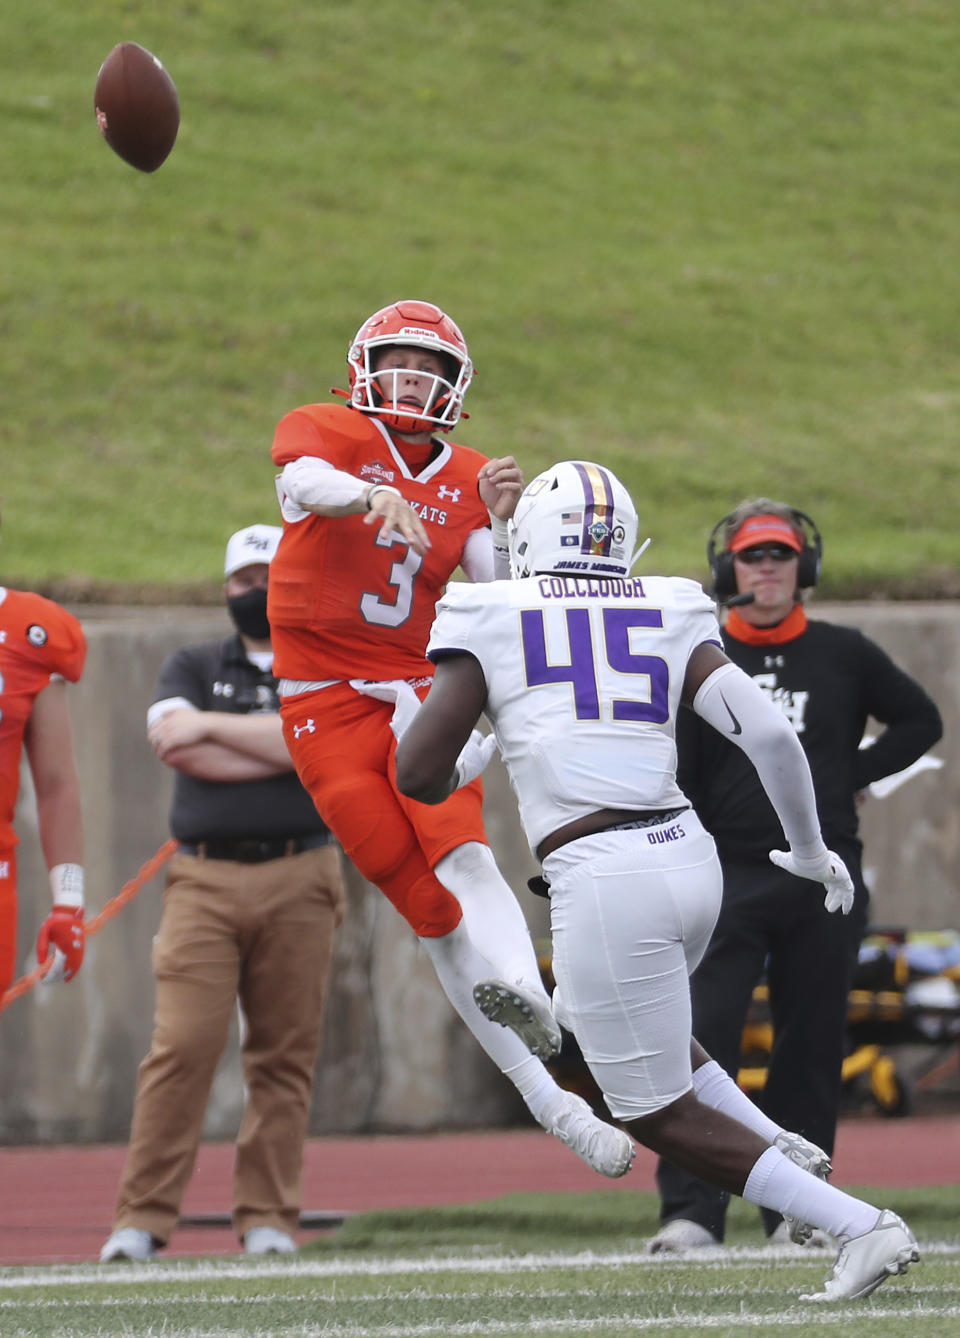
(597, 530)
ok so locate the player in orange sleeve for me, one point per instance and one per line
(41, 646)
(379, 510)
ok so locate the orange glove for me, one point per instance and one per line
(63, 931)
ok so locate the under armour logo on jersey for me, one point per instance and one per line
(773, 661)
(307, 728)
(443, 492)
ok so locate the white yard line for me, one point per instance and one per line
(723, 1260)
(198, 1299)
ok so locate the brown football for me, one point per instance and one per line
(137, 108)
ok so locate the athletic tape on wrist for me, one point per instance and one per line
(380, 487)
(500, 533)
(67, 885)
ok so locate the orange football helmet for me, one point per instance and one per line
(421, 325)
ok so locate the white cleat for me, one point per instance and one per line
(866, 1261)
(680, 1235)
(525, 1012)
(605, 1149)
(811, 1158)
(268, 1240)
(129, 1243)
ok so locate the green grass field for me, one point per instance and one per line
(544, 1265)
(713, 245)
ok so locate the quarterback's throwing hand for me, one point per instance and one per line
(396, 516)
(828, 869)
(62, 932)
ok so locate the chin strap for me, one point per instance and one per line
(638, 555)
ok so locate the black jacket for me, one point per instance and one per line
(828, 681)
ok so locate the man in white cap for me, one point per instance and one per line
(253, 900)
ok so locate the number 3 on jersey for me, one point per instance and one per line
(581, 670)
(393, 613)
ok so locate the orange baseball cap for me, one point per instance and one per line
(765, 530)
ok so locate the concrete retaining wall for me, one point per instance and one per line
(395, 1055)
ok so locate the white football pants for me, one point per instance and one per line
(631, 914)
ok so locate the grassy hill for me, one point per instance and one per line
(712, 245)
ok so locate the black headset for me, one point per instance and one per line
(808, 567)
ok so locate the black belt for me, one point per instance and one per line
(255, 852)
(539, 886)
(643, 820)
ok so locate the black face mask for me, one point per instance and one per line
(249, 614)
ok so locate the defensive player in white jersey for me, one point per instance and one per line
(581, 670)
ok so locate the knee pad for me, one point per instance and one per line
(468, 866)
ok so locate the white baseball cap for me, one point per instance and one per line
(257, 543)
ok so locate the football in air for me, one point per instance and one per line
(137, 108)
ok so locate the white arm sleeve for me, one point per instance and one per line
(477, 559)
(501, 549)
(731, 702)
(311, 482)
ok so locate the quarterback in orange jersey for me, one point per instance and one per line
(41, 645)
(379, 510)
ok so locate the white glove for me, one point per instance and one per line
(406, 702)
(828, 869)
(474, 756)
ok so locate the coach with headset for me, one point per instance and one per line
(827, 679)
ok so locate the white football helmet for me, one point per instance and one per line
(575, 517)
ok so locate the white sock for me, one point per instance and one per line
(494, 920)
(715, 1088)
(459, 965)
(778, 1183)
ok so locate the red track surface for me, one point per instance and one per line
(57, 1203)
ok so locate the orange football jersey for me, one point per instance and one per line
(342, 604)
(37, 640)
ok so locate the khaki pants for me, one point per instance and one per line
(263, 934)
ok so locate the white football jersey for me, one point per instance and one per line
(584, 679)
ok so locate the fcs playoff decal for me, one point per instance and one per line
(594, 537)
